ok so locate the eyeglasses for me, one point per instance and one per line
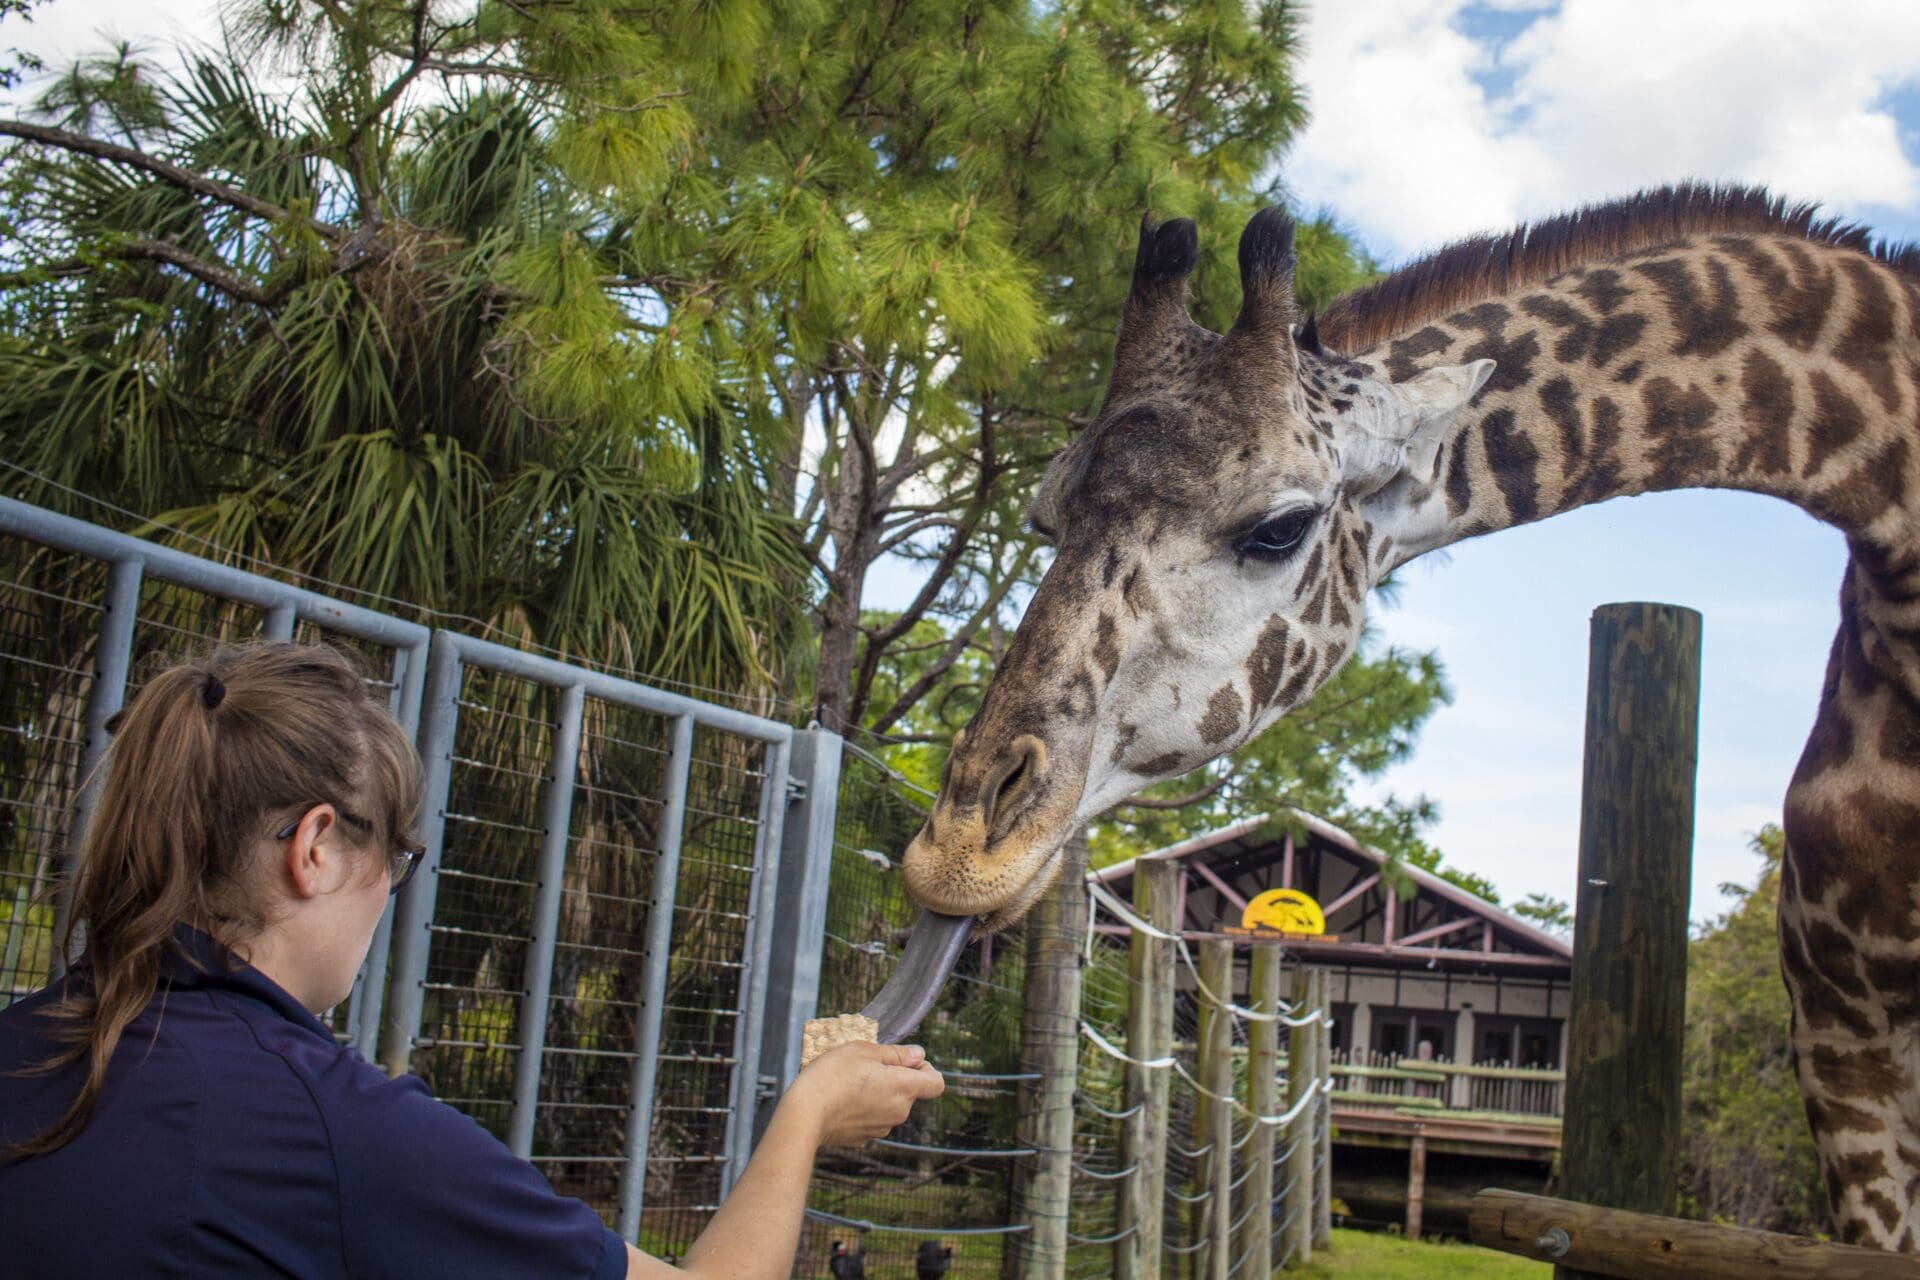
(402, 861)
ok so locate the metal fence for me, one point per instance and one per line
(583, 963)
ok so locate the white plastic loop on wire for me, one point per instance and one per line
(1319, 1086)
(1099, 893)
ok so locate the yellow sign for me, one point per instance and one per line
(1284, 911)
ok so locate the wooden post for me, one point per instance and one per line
(1638, 1246)
(1049, 1046)
(1143, 1135)
(1297, 1200)
(1323, 1108)
(1629, 987)
(1416, 1182)
(1213, 1120)
(1255, 1247)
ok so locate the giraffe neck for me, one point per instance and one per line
(1766, 363)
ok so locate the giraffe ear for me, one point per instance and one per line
(1399, 432)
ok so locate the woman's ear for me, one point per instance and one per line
(312, 857)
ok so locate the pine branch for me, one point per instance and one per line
(187, 180)
(206, 272)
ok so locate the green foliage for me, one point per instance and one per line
(1546, 911)
(1748, 1156)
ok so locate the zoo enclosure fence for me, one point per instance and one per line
(631, 902)
(615, 875)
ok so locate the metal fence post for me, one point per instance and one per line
(112, 654)
(1263, 1051)
(1143, 1136)
(279, 622)
(556, 811)
(413, 914)
(799, 929)
(370, 991)
(653, 979)
(763, 898)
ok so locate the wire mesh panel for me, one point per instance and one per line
(705, 1007)
(586, 1071)
(469, 1033)
(945, 1176)
(576, 966)
(49, 616)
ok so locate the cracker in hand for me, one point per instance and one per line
(822, 1034)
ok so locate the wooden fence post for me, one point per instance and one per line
(1263, 1053)
(1298, 1211)
(1143, 1135)
(1050, 1047)
(1323, 1109)
(1416, 1181)
(1213, 1062)
(1629, 985)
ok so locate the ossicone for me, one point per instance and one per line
(1266, 276)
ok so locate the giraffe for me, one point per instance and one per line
(1218, 526)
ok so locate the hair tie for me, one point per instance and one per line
(214, 691)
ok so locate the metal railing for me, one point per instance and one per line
(583, 964)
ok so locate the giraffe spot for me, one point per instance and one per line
(1879, 871)
(1601, 478)
(1801, 301)
(1896, 984)
(1336, 654)
(1602, 289)
(1768, 410)
(1562, 407)
(1628, 372)
(1883, 1208)
(1135, 594)
(1162, 766)
(1576, 329)
(1106, 646)
(1867, 345)
(1879, 482)
(1830, 745)
(1821, 1005)
(1311, 572)
(1615, 335)
(1267, 661)
(1223, 715)
(1110, 567)
(1834, 956)
(1512, 357)
(1296, 686)
(1857, 1167)
(1123, 741)
(1836, 422)
(1512, 457)
(1681, 422)
(1404, 354)
(1705, 326)
(1459, 481)
(1859, 1073)
(1829, 1116)
(1337, 611)
(1314, 613)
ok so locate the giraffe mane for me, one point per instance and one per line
(1449, 278)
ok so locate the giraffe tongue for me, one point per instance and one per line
(933, 949)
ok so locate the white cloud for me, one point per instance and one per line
(1605, 96)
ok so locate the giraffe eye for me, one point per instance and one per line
(1276, 539)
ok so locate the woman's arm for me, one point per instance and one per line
(851, 1095)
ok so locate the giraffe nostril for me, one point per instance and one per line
(1014, 775)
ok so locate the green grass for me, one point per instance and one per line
(1357, 1254)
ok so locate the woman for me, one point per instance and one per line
(175, 1107)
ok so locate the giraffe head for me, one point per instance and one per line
(1216, 531)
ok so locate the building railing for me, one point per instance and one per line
(1365, 1080)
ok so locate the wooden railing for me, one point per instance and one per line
(1367, 1081)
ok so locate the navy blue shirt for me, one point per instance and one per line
(235, 1137)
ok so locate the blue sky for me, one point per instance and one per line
(1439, 118)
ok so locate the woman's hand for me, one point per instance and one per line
(858, 1092)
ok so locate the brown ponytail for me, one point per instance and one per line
(206, 760)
